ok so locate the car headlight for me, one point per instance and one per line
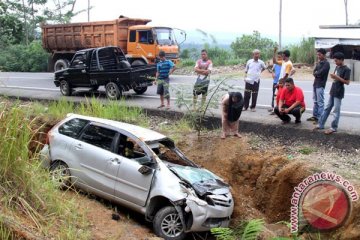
(192, 196)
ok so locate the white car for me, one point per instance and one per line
(140, 169)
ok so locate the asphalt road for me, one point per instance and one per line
(41, 86)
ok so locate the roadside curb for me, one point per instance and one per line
(288, 133)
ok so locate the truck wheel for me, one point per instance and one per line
(137, 63)
(167, 224)
(112, 90)
(61, 64)
(65, 88)
(140, 90)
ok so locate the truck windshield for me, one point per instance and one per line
(165, 36)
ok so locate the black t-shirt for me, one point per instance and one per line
(321, 73)
(337, 88)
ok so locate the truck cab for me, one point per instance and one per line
(148, 41)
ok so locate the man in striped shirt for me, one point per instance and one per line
(163, 69)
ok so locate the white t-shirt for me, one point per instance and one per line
(253, 70)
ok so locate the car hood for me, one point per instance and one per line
(203, 181)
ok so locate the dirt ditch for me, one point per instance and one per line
(262, 181)
(262, 176)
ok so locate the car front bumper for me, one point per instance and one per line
(208, 216)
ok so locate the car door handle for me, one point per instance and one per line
(78, 147)
(115, 161)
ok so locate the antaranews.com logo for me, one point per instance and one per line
(321, 202)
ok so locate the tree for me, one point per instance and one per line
(62, 12)
(11, 28)
(243, 46)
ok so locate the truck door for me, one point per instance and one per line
(78, 70)
(146, 45)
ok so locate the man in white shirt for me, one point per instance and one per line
(254, 67)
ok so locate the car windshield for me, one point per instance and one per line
(165, 36)
(194, 175)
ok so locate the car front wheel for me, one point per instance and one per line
(65, 88)
(113, 92)
(60, 175)
(167, 224)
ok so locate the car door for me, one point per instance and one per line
(131, 185)
(98, 164)
(77, 71)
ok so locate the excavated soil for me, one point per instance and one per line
(262, 181)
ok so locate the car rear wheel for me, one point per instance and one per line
(60, 174)
(167, 224)
(112, 90)
(65, 88)
(140, 90)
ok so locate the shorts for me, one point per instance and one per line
(163, 87)
(198, 90)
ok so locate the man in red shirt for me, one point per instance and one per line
(291, 102)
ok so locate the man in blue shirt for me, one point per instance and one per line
(163, 69)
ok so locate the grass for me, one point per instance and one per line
(25, 188)
(115, 110)
(306, 150)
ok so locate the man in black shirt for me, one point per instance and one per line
(340, 76)
(320, 73)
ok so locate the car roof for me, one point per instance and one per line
(143, 134)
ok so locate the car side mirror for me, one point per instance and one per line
(145, 170)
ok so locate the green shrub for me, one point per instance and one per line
(22, 58)
(304, 52)
(187, 63)
(243, 46)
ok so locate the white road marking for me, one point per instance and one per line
(31, 88)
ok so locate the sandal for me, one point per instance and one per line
(223, 136)
(329, 131)
(161, 106)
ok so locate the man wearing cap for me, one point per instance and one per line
(164, 68)
(321, 72)
(253, 69)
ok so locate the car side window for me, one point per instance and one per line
(79, 61)
(129, 148)
(73, 127)
(98, 136)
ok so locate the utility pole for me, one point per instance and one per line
(88, 10)
(346, 12)
(280, 13)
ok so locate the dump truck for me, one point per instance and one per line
(141, 43)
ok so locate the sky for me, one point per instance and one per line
(228, 19)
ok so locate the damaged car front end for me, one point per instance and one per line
(207, 201)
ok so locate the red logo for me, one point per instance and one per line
(325, 206)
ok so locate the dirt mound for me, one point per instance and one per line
(262, 181)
